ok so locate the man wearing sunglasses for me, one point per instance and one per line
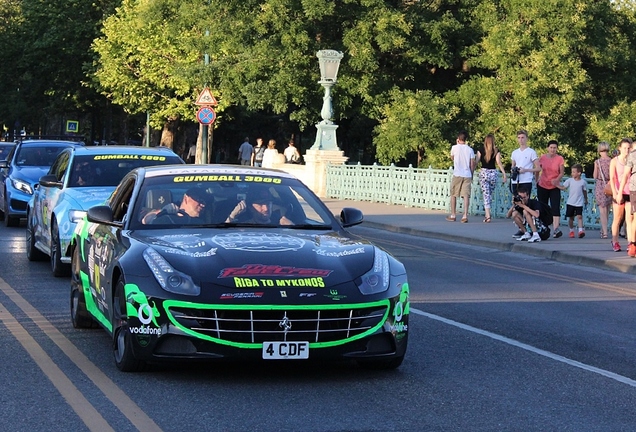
(189, 211)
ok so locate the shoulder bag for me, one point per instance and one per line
(608, 187)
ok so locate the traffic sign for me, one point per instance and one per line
(206, 115)
(72, 126)
(206, 98)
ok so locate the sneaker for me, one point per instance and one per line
(558, 233)
(571, 234)
(616, 247)
(631, 250)
(581, 234)
(535, 238)
(518, 234)
(525, 236)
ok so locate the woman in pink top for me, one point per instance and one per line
(617, 167)
(552, 170)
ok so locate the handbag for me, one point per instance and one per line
(607, 190)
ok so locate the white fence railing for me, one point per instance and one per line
(429, 189)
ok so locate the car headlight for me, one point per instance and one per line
(168, 278)
(76, 215)
(23, 186)
(377, 279)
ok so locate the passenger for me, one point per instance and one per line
(257, 209)
(189, 211)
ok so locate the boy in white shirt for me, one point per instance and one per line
(577, 198)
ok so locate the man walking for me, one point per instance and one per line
(463, 167)
(245, 152)
(257, 155)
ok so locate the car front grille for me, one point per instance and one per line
(321, 324)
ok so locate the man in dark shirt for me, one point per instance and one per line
(536, 215)
(189, 211)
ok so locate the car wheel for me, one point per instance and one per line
(125, 359)
(9, 221)
(58, 268)
(33, 253)
(80, 316)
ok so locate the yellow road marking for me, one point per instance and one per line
(120, 399)
(82, 407)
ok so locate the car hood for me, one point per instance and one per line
(221, 256)
(88, 197)
(30, 173)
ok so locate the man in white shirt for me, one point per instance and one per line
(526, 160)
(463, 168)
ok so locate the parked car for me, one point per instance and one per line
(223, 262)
(5, 149)
(27, 161)
(79, 178)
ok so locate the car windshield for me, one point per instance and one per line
(97, 170)
(228, 201)
(37, 155)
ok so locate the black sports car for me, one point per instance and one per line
(226, 262)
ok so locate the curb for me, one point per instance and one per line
(566, 258)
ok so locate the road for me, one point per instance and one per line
(498, 341)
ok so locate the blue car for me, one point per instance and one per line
(20, 171)
(79, 178)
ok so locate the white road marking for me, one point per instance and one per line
(548, 354)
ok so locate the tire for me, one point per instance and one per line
(125, 359)
(9, 221)
(33, 253)
(80, 316)
(58, 268)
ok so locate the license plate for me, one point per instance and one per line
(285, 350)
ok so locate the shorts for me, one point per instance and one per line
(625, 199)
(571, 211)
(460, 186)
(542, 229)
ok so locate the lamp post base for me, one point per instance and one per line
(326, 137)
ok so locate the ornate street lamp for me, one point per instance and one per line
(329, 61)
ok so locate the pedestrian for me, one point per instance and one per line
(577, 198)
(619, 196)
(629, 180)
(192, 153)
(257, 155)
(490, 158)
(548, 192)
(245, 152)
(525, 164)
(463, 168)
(291, 153)
(531, 212)
(602, 175)
(270, 155)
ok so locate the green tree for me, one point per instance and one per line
(426, 131)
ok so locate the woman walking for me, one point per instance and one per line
(617, 168)
(489, 156)
(552, 170)
(602, 176)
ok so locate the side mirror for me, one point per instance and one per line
(50, 180)
(4, 164)
(350, 217)
(102, 214)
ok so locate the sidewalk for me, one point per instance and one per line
(589, 251)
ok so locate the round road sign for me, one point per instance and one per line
(206, 115)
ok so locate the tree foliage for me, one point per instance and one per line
(420, 70)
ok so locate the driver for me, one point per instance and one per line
(189, 211)
(258, 208)
(83, 174)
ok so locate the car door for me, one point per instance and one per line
(104, 246)
(4, 175)
(46, 198)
